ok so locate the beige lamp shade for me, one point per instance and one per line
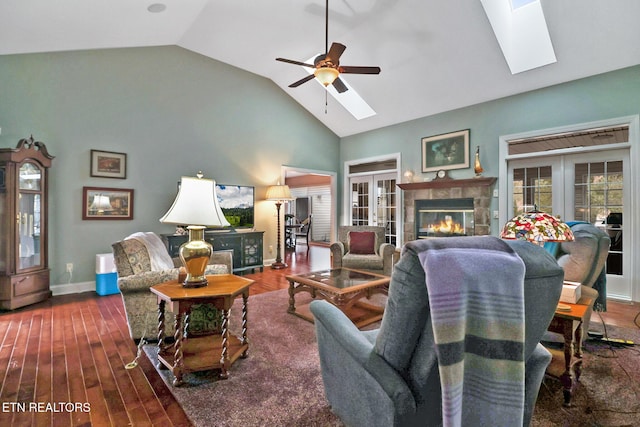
(196, 204)
(279, 193)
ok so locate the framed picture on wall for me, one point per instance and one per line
(445, 152)
(107, 164)
(107, 203)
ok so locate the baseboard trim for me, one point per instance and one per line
(73, 288)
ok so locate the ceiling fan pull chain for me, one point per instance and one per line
(326, 102)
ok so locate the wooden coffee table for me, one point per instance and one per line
(343, 287)
(215, 350)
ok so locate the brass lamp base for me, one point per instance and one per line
(195, 256)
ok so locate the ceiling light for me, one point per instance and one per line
(326, 75)
(350, 99)
(157, 7)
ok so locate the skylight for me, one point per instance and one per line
(515, 4)
(522, 33)
(350, 99)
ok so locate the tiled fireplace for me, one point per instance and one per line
(447, 207)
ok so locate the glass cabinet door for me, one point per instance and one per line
(28, 217)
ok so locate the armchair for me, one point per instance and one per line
(142, 261)
(391, 376)
(363, 247)
(583, 261)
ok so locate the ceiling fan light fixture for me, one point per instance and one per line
(326, 75)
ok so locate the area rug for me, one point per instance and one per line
(608, 393)
(280, 383)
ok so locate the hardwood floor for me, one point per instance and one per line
(62, 362)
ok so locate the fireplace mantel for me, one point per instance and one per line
(449, 183)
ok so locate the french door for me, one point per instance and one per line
(592, 187)
(374, 202)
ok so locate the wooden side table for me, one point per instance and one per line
(566, 364)
(217, 350)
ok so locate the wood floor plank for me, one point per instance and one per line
(127, 351)
(117, 360)
(59, 366)
(77, 389)
(113, 398)
(10, 327)
(26, 392)
(10, 330)
(94, 393)
(44, 385)
(11, 383)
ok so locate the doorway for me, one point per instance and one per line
(315, 197)
(558, 172)
(371, 195)
(586, 187)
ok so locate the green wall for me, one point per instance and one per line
(173, 112)
(610, 95)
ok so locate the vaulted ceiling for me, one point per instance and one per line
(435, 55)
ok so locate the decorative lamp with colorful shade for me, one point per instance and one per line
(537, 227)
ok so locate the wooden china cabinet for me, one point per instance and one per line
(24, 268)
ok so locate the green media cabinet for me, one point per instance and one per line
(246, 246)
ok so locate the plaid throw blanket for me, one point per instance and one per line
(477, 310)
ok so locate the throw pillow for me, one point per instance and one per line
(362, 242)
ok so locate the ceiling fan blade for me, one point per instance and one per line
(339, 85)
(335, 52)
(303, 80)
(359, 70)
(291, 61)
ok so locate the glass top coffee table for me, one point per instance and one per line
(343, 287)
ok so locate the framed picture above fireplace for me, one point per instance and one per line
(446, 151)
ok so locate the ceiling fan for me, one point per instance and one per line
(327, 66)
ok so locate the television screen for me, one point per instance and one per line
(236, 202)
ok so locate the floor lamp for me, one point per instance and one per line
(279, 194)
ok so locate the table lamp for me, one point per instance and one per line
(278, 193)
(537, 227)
(196, 205)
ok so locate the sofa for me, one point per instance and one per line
(142, 261)
(391, 377)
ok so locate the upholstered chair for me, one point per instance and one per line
(583, 261)
(391, 377)
(363, 248)
(138, 271)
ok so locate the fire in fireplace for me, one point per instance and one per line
(444, 218)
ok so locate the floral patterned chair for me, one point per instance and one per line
(138, 271)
